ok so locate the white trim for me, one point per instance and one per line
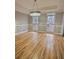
(20, 32)
(59, 33)
(22, 25)
(52, 32)
(38, 31)
(62, 27)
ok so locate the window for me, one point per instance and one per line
(51, 19)
(35, 20)
(35, 23)
(50, 23)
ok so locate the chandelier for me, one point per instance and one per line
(35, 12)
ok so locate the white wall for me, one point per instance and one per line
(21, 21)
(59, 23)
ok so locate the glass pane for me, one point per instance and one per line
(50, 23)
(35, 23)
(51, 20)
(35, 19)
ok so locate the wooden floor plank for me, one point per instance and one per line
(33, 45)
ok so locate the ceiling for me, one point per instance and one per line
(25, 6)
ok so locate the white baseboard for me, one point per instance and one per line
(54, 33)
(59, 33)
(20, 32)
(38, 31)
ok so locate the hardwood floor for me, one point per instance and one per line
(32, 45)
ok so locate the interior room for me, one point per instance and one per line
(39, 32)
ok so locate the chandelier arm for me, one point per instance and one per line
(35, 6)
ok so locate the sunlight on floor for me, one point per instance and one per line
(49, 41)
(35, 37)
